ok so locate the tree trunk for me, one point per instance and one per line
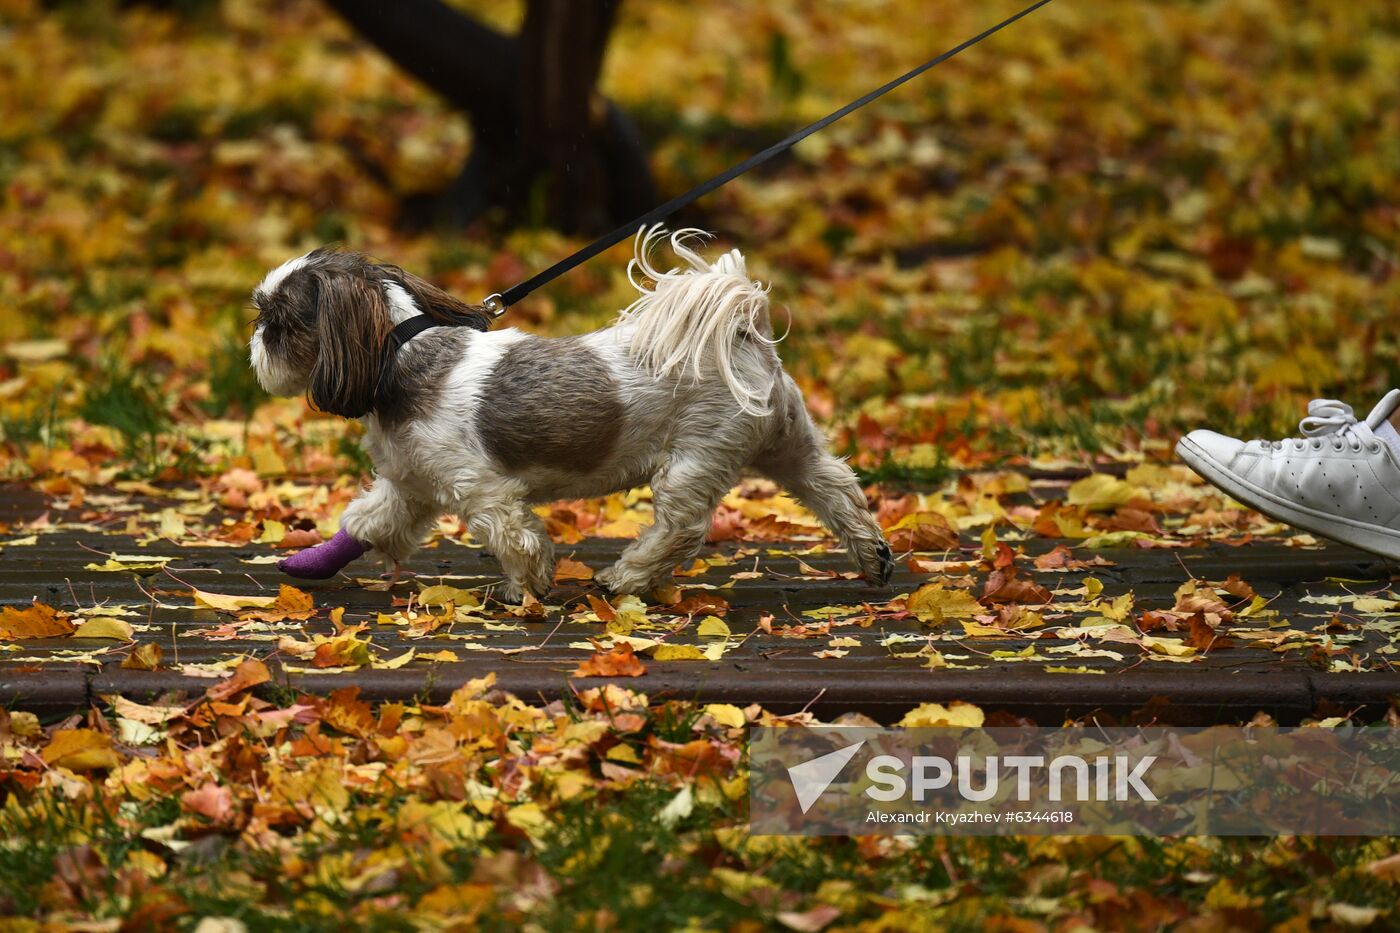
(546, 146)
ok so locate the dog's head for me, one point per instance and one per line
(323, 320)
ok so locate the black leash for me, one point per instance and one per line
(496, 304)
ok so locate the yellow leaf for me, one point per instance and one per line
(441, 595)
(1171, 647)
(104, 627)
(527, 817)
(1117, 608)
(624, 753)
(678, 653)
(80, 750)
(273, 532)
(1099, 492)
(713, 627)
(956, 714)
(932, 603)
(231, 603)
(726, 714)
(130, 563)
(268, 462)
(989, 543)
(396, 663)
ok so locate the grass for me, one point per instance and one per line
(128, 402)
(615, 858)
(233, 386)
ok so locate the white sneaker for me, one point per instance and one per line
(1339, 480)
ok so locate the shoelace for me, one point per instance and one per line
(1330, 420)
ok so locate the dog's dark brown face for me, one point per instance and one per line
(322, 322)
(323, 319)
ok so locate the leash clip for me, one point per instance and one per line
(494, 305)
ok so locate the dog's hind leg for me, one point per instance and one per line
(684, 496)
(515, 534)
(797, 459)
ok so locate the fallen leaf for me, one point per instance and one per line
(618, 662)
(956, 714)
(80, 750)
(568, 569)
(35, 621)
(104, 627)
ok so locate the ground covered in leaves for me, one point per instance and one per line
(1011, 285)
(322, 812)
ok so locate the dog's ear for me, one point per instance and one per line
(437, 303)
(352, 323)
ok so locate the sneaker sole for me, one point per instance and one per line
(1375, 539)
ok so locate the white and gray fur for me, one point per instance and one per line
(684, 392)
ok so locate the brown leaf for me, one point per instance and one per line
(923, 531)
(1152, 621)
(246, 676)
(1202, 637)
(1131, 519)
(1237, 587)
(702, 602)
(1008, 586)
(619, 662)
(36, 621)
(1061, 558)
(144, 657)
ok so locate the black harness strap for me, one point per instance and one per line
(405, 331)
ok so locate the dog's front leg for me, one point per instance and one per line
(390, 522)
(515, 534)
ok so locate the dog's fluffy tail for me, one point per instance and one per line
(693, 320)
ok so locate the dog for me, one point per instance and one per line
(684, 391)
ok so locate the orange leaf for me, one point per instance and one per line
(36, 621)
(246, 676)
(210, 801)
(619, 662)
(570, 569)
(299, 538)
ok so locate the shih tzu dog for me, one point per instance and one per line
(684, 391)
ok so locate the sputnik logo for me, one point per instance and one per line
(811, 778)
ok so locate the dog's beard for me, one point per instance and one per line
(274, 374)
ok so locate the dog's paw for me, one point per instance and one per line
(508, 591)
(514, 592)
(620, 580)
(876, 561)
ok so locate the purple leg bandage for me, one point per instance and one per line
(324, 560)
